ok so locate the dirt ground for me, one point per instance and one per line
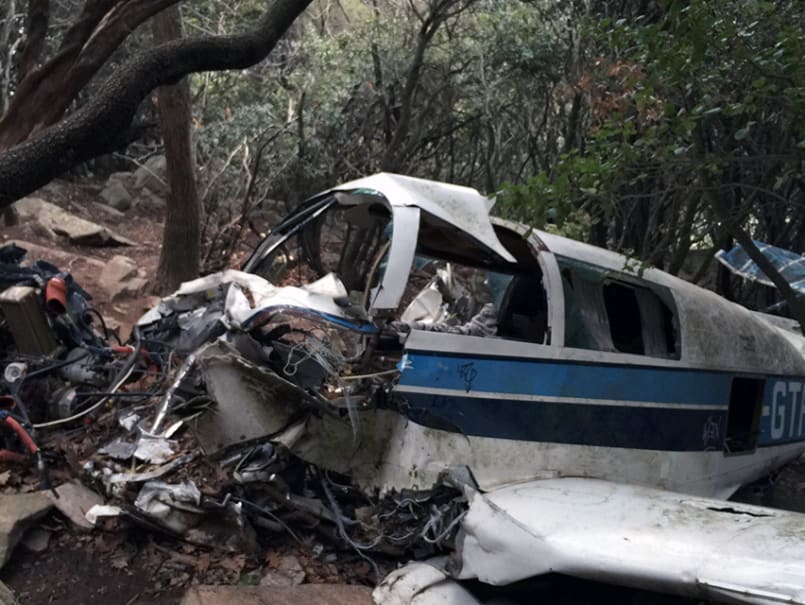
(136, 567)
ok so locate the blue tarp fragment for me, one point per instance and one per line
(791, 265)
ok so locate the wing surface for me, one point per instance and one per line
(621, 534)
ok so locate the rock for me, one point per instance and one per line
(6, 596)
(55, 190)
(124, 178)
(152, 175)
(322, 594)
(41, 230)
(288, 573)
(36, 539)
(74, 501)
(116, 196)
(107, 209)
(131, 288)
(58, 257)
(150, 200)
(119, 270)
(17, 513)
(78, 230)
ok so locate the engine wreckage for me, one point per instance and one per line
(417, 379)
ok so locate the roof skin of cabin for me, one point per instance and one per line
(715, 333)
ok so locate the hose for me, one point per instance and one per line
(107, 334)
(31, 446)
(26, 439)
(7, 456)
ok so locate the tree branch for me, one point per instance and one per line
(97, 127)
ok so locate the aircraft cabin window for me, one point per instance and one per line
(458, 287)
(446, 296)
(606, 314)
(625, 320)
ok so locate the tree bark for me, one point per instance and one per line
(180, 252)
(45, 93)
(36, 29)
(100, 126)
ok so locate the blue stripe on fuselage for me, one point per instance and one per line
(660, 408)
(553, 378)
(666, 429)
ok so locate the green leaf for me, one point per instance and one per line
(742, 133)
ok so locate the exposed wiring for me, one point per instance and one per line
(7, 456)
(117, 382)
(164, 406)
(263, 511)
(107, 334)
(23, 435)
(443, 534)
(140, 394)
(342, 531)
(373, 375)
(16, 403)
(89, 410)
(53, 367)
(27, 441)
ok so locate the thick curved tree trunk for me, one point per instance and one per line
(46, 91)
(180, 252)
(100, 126)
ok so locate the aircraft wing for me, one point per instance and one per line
(619, 534)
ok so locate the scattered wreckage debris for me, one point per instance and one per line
(405, 379)
(65, 374)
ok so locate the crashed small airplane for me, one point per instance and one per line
(594, 413)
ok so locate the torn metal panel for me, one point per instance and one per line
(177, 507)
(102, 511)
(462, 207)
(119, 449)
(424, 583)
(634, 536)
(400, 258)
(250, 402)
(113, 479)
(246, 304)
(154, 450)
(246, 299)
